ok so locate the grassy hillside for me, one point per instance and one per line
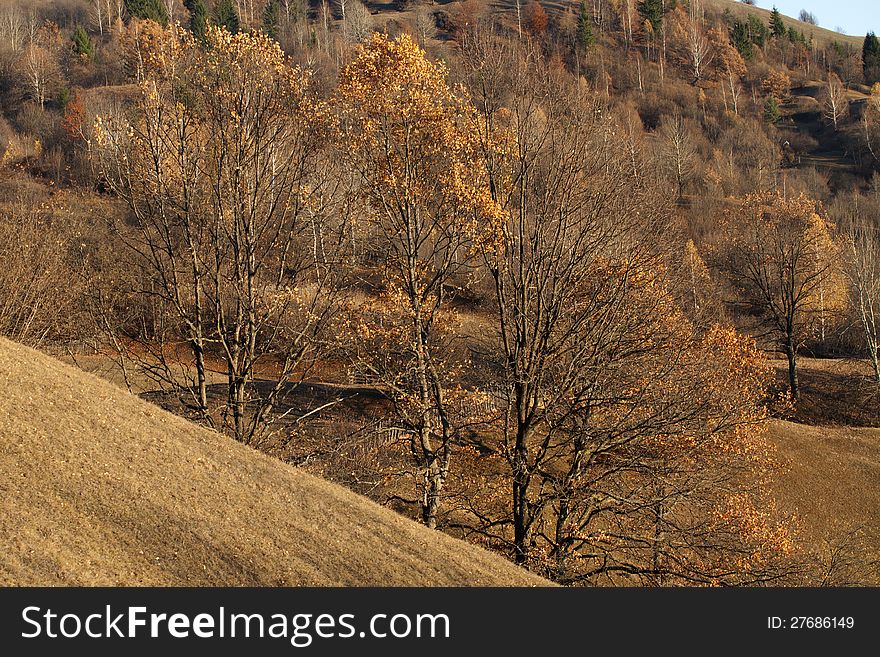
(832, 484)
(101, 488)
(822, 36)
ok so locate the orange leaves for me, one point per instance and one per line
(777, 85)
(412, 139)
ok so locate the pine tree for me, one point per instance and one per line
(198, 18)
(227, 17)
(871, 58)
(82, 43)
(739, 36)
(585, 37)
(652, 11)
(270, 19)
(759, 32)
(777, 26)
(771, 111)
(153, 10)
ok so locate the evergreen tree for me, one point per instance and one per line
(270, 19)
(871, 58)
(741, 40)
(585, 37)
(777, 26)
(153, 10)
(198, 18)
(227, 16)
(758, 31)
(652, 11)
(771, 110)
(82, 43)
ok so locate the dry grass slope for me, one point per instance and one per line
(100, 488)
(832, 485)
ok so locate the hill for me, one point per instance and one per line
(821, 35)
(832, 484)
(101, 488)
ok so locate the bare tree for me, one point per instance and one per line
(808, 17)
(678, 151)
(834, 102)
(359, 21)
(41, 70)
(13, 27)
(861, 258)
(231, 235)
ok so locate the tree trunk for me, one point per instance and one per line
(791, 353)
(520, 499)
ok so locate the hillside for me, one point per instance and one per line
(822, 36)
(832, 484)
(101, 488)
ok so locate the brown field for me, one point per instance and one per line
(832, 486)
(101, 488)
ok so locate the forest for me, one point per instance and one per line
(542, 276)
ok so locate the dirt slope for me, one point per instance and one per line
(100, 488)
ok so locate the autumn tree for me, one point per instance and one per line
(733, 69)
(535, 20)
(777, 85)
(857, 215)
(409, 138)
(231, 239)
(782, 258)
(598, 415)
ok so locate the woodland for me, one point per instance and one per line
(541, 276)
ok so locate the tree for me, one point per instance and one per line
(758, 30)
(585, 38)
(597, 369)
(41, 70)
(74, 119)
(871, 58)
(678, 152)
(652, 11)
(777, 85)
(782, 257)
(411, 141)
(808, 17)
(359, 21)
(734, 67)
(693, 45)
(82, 43)
(777, 25)
(227, 16)
(741, 39)
(861, 265)
(833, 99)
(232, 241)
(271, 17)
(535, 20)
(153, 10)
(198, 18)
